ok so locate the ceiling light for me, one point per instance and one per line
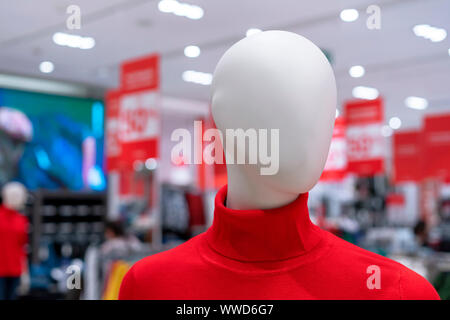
(252, 31)
(73, 41)
(46, 67)
(349, 15)
(356, 71)
(181, 9)
(192, 51)
(197, 77)
(386, 131)
(431, 33)
(416, 103)
(362, 92)
(395, 123)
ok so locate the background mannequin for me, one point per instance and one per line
(253, 89)
(262, 244)
(13, 238)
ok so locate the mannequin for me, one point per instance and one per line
(262, 244)
(252, 89)
(13, 238)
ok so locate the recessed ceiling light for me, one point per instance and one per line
(416, 103)
(362, 92)
(431, 33)
(46, 67)
(395, 123)
(181, 9)
(197, 77)
(192, 51)
(73, 41)
(356, 71)
(349, 15)
(252, 31)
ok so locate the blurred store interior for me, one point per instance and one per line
(92, 91)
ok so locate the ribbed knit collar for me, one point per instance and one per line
(262, 235)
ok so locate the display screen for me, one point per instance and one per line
(51, 142)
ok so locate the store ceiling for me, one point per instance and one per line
(397, 63)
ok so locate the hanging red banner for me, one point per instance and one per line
(113, 146)
(133, 120)
(407, 154)
(365, 144)
(436, 147)
(336, 165)
(139, 126)
(140, 74)
(139, 119)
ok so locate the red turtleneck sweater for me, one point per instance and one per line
(13, 237)
(270, 254)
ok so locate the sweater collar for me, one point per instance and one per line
(262, 235)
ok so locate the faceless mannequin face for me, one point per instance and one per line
(276, 80)
(14, 196)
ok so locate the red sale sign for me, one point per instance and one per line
(139, 126)
(436, 146)
(336, 165)
(365, 144)
(407, 154)
(140, 74)
(113, 145)
(133, 121)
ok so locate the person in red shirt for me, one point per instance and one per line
(13, 238)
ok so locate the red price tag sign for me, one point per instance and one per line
(133, 122)
(139, 118)
(366, 145)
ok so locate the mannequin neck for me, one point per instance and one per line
(262, 234)
(246, 192)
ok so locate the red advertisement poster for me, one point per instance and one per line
(139, 119)
(139, 126)
(133, 121)
(113, 146)
(407, 155)
(336, 165)
(140, 74)
(436, 147)
(365, 144)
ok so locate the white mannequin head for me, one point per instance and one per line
(276, 80)
(14, 195)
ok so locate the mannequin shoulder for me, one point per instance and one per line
(415, 287)
(400, 281)
(160, 270)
